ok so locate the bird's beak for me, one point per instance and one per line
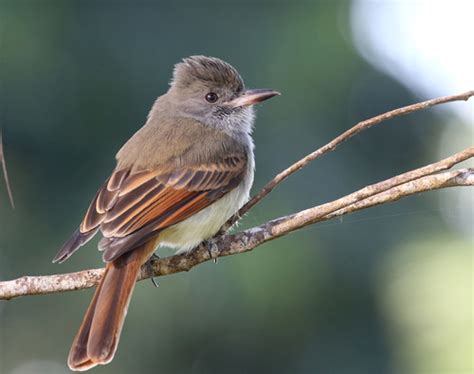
(251, 97)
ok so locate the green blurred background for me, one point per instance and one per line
(388, 290)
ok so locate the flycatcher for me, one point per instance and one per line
(177, 181)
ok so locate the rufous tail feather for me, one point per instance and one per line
(99, 334)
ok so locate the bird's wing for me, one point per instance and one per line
(132, 207)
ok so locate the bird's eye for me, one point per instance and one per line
(211, 97)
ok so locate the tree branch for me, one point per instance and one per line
(226, 245)
(413, 182)
(333, 144)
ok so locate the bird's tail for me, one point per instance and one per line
(99, 333)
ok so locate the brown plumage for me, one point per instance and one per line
(177, 180)
(209, 70)
(98, 336)
(133, 206)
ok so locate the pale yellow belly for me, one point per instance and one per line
(186, 235)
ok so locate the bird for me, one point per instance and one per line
(177, 180)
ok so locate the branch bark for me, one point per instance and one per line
(413, 182)
(333, 144)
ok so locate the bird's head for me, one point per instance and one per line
(213, 92)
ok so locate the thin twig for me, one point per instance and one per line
(332, 145)
(460, 178)
(2, 154)
(5, 173)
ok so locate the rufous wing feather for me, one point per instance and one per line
(133, 206)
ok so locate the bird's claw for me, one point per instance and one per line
(154, 282)
(208, 246)
(154, 257)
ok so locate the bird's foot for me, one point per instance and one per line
(208, 245)
(154, 257)
(154, 282)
